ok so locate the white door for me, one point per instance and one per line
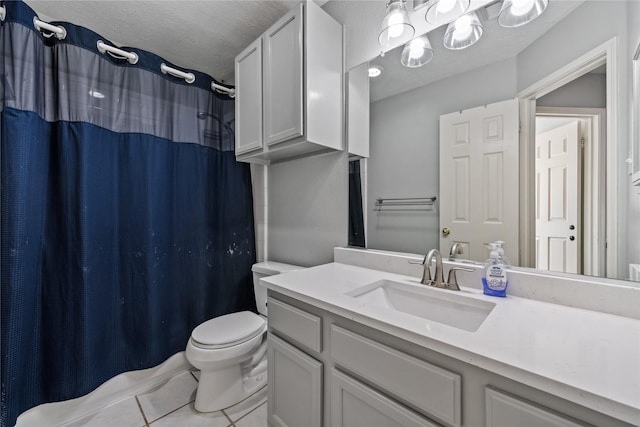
(479, 179)
(558, 227)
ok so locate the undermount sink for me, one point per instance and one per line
(447, 307)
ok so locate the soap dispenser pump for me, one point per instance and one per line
(494, 280)
(500, 250)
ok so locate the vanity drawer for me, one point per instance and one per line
(504, 410)
(305, 328)
(430, 388)
(353, 403)
(425, 386)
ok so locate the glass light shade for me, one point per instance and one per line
(396, 26)
(417, 52)
(463, 32)
(515, 13)
(443, 11)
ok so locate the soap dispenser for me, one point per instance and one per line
(500, 250)
(494, 280)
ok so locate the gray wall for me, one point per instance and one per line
(588, 91)
(307, 209)
(633, 26)
(404, 151)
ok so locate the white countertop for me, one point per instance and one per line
(586, 357)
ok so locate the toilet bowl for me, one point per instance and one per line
(231, 350)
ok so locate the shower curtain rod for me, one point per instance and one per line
(115, 52)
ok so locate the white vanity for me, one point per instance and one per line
(354, 346)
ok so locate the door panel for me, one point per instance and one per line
(283, 114)
(479, 179)
(248, 68)
(558, 225)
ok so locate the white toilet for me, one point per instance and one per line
(231, 350)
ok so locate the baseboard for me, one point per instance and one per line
(113, 391)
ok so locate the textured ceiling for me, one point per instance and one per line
(206, 35)
(203, 35)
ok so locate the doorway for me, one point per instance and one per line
(570, 226)
(603, 250)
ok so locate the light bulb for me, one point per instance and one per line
(521, 7)
(395, 25)
(462, 27)
(445, 6)
(375, 71)
(416, 48)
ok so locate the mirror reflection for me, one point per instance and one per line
(562, 218)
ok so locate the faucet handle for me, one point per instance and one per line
(452, 281)
(426, 274)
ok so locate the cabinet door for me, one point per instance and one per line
(295, 386)
(355, 405)
(249, 98)
(504, 410)
(283, 108)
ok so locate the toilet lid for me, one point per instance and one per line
(228, 330)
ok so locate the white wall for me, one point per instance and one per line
(259, 190)
(405, 151)
(590, 25)
(307, 209)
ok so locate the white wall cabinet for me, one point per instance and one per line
(248, 111)
(326, 370)
(358, 111)
(289, 89)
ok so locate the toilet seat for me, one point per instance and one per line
(228, 330)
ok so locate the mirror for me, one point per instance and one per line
(406, 105)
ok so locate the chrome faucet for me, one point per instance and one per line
(456, 249)
(438, 275)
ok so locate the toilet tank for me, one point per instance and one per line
(265, 269)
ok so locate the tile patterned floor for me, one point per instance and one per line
(171, 404)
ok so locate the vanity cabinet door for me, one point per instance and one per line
(248, 71)
(283, 110)
(504, 410)
(355, 405)
(295, 386)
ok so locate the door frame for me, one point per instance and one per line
(605, 54)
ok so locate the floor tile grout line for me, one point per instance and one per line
(228, 418)
(171, 412)
(144, 417)
(194, 377)
(253, 410)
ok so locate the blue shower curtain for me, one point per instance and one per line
(126, 220)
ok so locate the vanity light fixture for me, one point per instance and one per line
(396, 26)
(515, 13)
(375, 71)
(444, 11)
(463, 32)
(417, 52)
